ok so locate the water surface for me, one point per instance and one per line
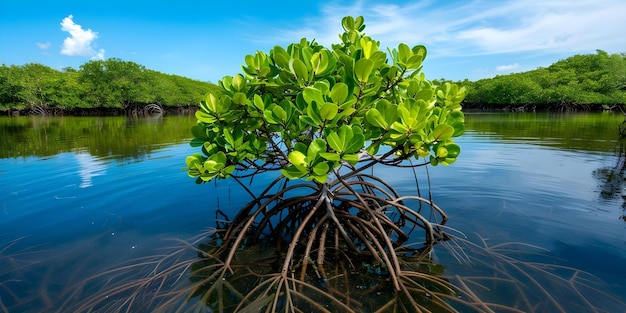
(79, 195)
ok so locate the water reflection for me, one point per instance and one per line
(116, 137)
(580, 132)
(89, 167)
(612, 178)
(78, 196)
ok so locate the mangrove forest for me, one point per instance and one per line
(109, 87)
(584, 82)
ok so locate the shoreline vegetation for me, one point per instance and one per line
(590, 82)
(98, 87)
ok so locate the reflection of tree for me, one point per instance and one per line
(612, 179)
(118, 137)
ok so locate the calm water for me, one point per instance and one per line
(80, 195)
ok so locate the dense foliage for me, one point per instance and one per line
(307, 110)
(325, 115)
(581, 82)
(108, 85)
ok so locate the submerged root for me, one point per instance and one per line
(342, 245)
(338, 281)
(523, 278)
(352, 246)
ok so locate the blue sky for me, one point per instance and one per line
(207, 40)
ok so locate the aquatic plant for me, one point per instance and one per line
(326, 116)
(326, 234)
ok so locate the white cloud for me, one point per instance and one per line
(99, 55)
(80, 41)
(43, 46)
(506, 68)
(479, 27)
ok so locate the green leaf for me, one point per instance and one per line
(209, 148)
(373, 148)
(403, 53)
(459, 129)
(321, 168)
(362, 69)
(328, 110)
(351, 158)
(368, 46)
(249, 59)
(330, 156)
(433, 161)
(345, 113)
(219, 157)
(213, 104)
(313, 112)
(414, 61)
(194, 160)
(419, 50)
(425, 94)
(359, 23)
(292, 172)
(288, 107)
(279, 113)
(270, 118)
(442, 132)
(239, 98)
(348, 23)
(213, 166)
(406, 111)
(300, 146)
(399, 127)
(441, 152)
(374, 117)
(198, 132)
(227, 171)
(228, 136)
(298, 159)
(323, 86)
(319, 62)
(335, 142)
(239, 83)
(339, 93)
(311, 94)
(317, 146)
(355, 144)
(195, 142)
(320, 179)
(328, 62)
(205, 117)
(298, 68)
(207, 176)
(308, 120)
(345, 134)
(453, 150)
(258, 102)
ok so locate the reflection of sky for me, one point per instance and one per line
(517, 191)
(502, 190)
(89, 167)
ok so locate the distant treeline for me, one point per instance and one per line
(582, 82)
(108, 86)
(579, 83)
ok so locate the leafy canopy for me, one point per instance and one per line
(307, 110)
